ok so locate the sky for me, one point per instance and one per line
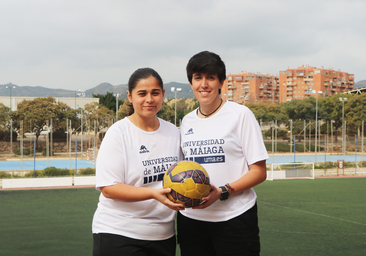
(78, 44)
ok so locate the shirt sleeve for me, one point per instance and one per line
(251, 136)
(110, 167)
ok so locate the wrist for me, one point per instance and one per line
(224, 193)
(229, 188)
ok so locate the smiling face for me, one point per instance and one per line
(147, 97)
(206, 89)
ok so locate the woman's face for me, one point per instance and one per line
(206, 88)
(147, 97)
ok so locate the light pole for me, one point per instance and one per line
(81, 94)
(343, 131)
(11, 120)
(116, 95)
(10, 87)
(316, 121)
(331, 129)
(290, 135)
(175, 90)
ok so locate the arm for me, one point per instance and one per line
(129, 193)
(256, 175)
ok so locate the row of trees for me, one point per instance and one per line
(35, 115)
(330, 109)
(38, 112)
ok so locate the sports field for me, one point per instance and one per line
(297, 217)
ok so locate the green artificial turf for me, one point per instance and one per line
(313, 217)
(296, 217)
(47, 222)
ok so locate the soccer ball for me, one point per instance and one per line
(189, 182)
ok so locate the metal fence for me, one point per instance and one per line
(82, 140)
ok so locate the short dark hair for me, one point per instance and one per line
(139, 74)
(206, 63)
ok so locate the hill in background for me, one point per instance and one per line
(103, 88)
(360, 84)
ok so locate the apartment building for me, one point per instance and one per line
(299, 83)
(251, 87)
(307, 81)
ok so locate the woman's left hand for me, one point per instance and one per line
(212, 197)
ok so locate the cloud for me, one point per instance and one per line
(68, 44)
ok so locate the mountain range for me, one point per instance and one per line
(103, 88)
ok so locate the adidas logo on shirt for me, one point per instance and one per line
(190, 131)
(143, 149)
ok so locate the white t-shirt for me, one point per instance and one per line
(138, 158)
(224, 144)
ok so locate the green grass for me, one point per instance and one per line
(47, 222)
(296, 217)
(313, 217)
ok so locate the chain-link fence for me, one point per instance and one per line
(81, 140)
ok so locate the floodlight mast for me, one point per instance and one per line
(316, 121)
(343, 130)
(175, 90)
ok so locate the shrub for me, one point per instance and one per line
(87, 171)
(53, 171)
(4, 175)
(26, 151)
(349, 164)
(38, 173)
(328, 165)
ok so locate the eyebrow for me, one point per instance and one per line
(154, 90)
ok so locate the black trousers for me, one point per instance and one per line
(115, 245)
(238, 236)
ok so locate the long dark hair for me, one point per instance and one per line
(139, 74)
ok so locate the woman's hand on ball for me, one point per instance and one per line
(160, 195)
(212, 197)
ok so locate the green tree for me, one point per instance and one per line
(267, 112)
(333, 107)
(98, 113)
(355, 111)
(123, 110)
(167, 113)
(36, 113)
(109, 101)
(304, 109)
(5, 116)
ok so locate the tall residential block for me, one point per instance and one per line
(306, 81)
(251, 87)
(299, 83)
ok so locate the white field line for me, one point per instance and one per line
(323, 215)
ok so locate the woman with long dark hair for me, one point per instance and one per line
(134, 216)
